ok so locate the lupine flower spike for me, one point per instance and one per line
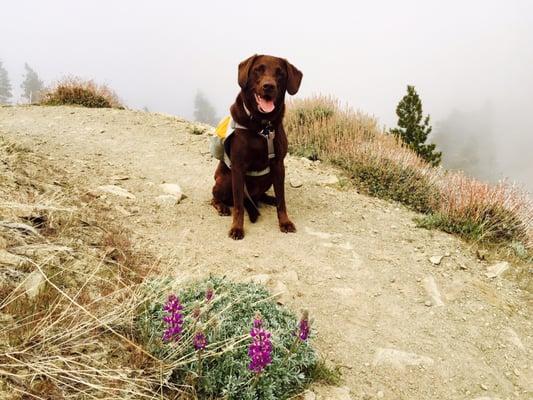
(173, 319)
(260, 350)
(199, 341)
(304, 326)
(209, 292)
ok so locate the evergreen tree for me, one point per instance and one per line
(413, 128)
(32, 86)
(204, 110)
(5, 85)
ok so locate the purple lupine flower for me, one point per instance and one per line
(199, 340)
(209, 292)
(173, 319)
(260, 350)
(304, 326)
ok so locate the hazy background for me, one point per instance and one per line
(471, 61)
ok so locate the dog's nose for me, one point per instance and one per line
(268, 87)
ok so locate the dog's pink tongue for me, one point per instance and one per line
(265, 105)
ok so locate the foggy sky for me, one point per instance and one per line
(460, 55)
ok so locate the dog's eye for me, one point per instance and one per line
(279, 72)
(260, 69)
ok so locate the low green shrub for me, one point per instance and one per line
(222, 369)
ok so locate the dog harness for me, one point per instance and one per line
(220, 142)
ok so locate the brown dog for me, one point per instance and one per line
(255, 163)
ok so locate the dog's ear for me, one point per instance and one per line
(244, 70)
(294, 78)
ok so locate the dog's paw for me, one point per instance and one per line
(236, 233)
(224, 211)
(287, 227)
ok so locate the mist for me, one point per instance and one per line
(469, 61)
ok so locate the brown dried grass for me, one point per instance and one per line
(380, 165)
(76, 91)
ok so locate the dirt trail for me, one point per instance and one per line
(401, 327)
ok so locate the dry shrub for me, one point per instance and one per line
(74, 338)
(75, 91)
(319, 128)
(481, 211)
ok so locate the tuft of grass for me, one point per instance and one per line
(326, 375)
(382, 166)
(75, 91)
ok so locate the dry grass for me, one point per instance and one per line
(75, 91)
(319, 128)
(75, 337)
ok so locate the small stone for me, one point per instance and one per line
(516, 372)
(484, 387)
(419, 280)
(427, 303)
(167, 200)
(392, 280)
(6, 258)
(338, 276)
(172, 188)
(261, 279)
(281, 292)
(380, 394)
(435, 260)
(497, 269)
(34, 283)
(296, 182)
(115, 190)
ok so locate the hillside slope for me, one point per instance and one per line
(400, 326)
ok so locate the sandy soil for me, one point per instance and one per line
(400, 326)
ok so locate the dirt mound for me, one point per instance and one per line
(398, 324)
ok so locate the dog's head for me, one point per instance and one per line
(265, 79)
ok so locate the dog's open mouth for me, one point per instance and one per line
(264, 104)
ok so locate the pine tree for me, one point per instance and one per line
(32, 86)
(204, 110)
(413, 128)
(5, 85)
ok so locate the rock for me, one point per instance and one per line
(329, 180)
(11, 260)
(497, 269)
(281, 292)
(167, 200)
(380, 394)
(484, 387)
(172, 188)
(427, 303)
(260, 279)
(24, 228)
(296, 182)
(512, 337)
(435, 260)
(115, 190)
(399, 359)
(34, 283)
(433, 291)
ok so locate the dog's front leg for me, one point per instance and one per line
(237, 181)
(278, 173)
